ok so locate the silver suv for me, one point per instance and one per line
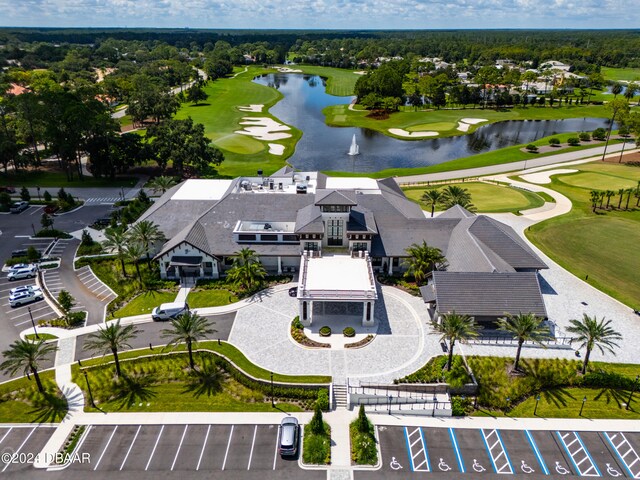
(28, 272)
(19, 207)
(289, 433)
(22, 298)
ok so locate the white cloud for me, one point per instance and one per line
(342, 14)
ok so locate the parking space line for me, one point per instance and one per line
(27, 312)
(20, 448)
(454, 443)
(179, 447)
(130, 447)
(536, 451)
(5, 435)
(413, 439)
(590, 471)
(105, 447)
(253, 442)
(497, 452)
(206, 437)
(275, 454)
(224, 462)
(154, 448)
(621, 441)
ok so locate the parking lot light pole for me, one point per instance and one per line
(34, 229)
(272, 402)
(535, 409)
(33, 323)
(38, 188)
(584, 400)
(86, 378)
(635, 385)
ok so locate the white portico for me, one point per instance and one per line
(338, 285)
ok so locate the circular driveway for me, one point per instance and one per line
(402, 345)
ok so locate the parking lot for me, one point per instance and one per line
(102, 292)
(416, 451)
(189, 448)
(22, 443)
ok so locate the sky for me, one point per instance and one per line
(323, 14)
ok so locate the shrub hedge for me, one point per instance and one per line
(349, 332)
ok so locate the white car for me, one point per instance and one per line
(23, 288)
(20, 266)
(29, 272)
(22, 298)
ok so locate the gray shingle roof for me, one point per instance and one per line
(193, 234)
(456, 212)
(488, 294)
(361, 220)
(309, 220)
(335, 197)
(506, 243)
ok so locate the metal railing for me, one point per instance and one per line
(498, 339)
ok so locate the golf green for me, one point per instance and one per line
(596, 181)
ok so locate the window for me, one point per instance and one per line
(289, 238)
(359, 246)
(243, 237)
(269, 238)
(311, 246)
(334, 232)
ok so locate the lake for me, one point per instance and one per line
(325, 148)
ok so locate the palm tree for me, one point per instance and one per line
(27, 355)
(631, 90)
(601, 198)
(616, 89)
(524, 327)
(621, 193)
(594, 196)
(423, 260)
(432, 198)
(112, 338)
(117, 240)
(454, 195)
(593, 333)
(133, 251)
(247, 270)
(146, 233)
(452, 328)
(188, 328)
(629, 192)
(609, 194)
(162, 184)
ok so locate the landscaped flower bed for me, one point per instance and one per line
(297, 332)
(360, 343)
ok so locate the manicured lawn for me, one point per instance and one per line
(487, 197)
(144, 303)
(340, 82)
(446, 121)
(16, 397)
(595, 244)
(210, 298)
(628, 74)
(52, 179)
(221, 118)
(43, 336)
(230, 352)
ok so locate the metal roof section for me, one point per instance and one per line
(202, 189)
(352, 183)
(336, 277)
(486, 294)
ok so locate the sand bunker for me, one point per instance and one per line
(360, 72)
(276, 149)
(403, 133)
(288, 70)
(251, 108)
(263, 128)
(473, 121)
(545, 177)
(463, 127)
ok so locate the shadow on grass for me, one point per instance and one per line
(200, 105)
(50, 407)
(206, 380)
(609, 395)
(131, 389)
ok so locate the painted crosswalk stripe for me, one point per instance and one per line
(497, 452)
(579, 455)
(626, 453)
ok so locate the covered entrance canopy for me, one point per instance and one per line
(337, 285)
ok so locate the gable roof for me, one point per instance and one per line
(194, 234)
(456, 212)
(361, 220)
(309, 220)
(335, 197)
(486, 294)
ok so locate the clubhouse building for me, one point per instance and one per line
(337, 234)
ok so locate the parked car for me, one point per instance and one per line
(289, 433)
(103, 222)
(167, 311)
(20, 266)
(19, 207)
(293, 292)
(29, 272)
(22, 298)
(51, 209)
(23, 288)
(18, 253)
(7, 189)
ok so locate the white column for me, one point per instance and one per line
(390, 265)
(279, 265)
